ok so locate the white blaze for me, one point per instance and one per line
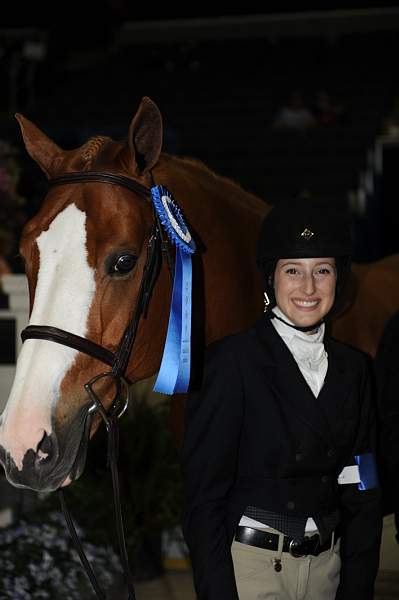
(64, 293)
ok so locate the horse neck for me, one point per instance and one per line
(208, 197)
(225, 220)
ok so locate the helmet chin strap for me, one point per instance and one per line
(305, 329)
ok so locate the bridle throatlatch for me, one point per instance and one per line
(167, 216)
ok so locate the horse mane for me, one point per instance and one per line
(198, 165)
(100, 150)
(199, 171)
(91, 149)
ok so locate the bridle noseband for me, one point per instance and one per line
(118, 361)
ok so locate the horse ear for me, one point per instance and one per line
(43, 150)
(145, 135)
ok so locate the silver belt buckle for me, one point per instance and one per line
(291, 549)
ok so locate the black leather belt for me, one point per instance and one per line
(269, 541)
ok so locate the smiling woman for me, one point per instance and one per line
(305, 288)
(288, 499)
(308, 267)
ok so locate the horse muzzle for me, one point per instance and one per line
(56, 459)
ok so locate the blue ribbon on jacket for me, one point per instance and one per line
(174, 372)
(367, 471)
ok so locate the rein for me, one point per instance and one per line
(118, 362)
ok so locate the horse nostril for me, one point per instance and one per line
(44, 449)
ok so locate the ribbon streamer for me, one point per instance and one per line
(367, 471)
(174, 372)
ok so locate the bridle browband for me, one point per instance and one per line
(102, 177)
(118, 361)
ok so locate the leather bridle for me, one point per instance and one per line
(118, 361)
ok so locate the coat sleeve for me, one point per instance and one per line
(361, 512)
(209, 463)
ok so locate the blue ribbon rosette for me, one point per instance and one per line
(174, 372)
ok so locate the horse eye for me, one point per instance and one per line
(123, 264)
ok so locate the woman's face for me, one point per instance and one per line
(305, 288)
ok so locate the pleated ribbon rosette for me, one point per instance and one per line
(174, 372)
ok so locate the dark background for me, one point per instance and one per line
(218, 78)
(81, 69)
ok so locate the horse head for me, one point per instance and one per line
(85, 252)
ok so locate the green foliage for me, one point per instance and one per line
(38, 561)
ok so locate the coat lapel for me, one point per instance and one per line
(294, 392)
(334, 393)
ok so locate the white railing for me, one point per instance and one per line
(15, 286)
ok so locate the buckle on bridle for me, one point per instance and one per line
(293, 549)
(119, 403)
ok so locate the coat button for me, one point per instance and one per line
(290, 505)
(298, 456)
(325, 479)
(330, 453)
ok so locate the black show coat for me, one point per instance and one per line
(256, 435)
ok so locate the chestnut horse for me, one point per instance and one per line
(85, 252)
(373, 299)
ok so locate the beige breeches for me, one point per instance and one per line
(305, 578)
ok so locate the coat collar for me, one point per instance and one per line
(321, 414)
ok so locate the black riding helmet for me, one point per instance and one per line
(305, 227)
